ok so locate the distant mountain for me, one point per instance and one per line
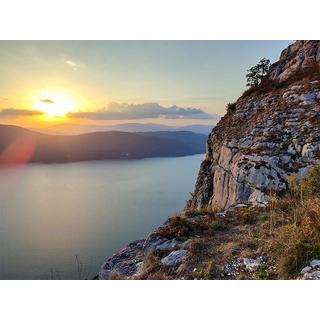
(19, 145)
(126, 127)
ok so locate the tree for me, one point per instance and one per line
(257, 73)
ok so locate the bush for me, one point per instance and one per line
(181, 228)
(178, 228)
(231, 106)
(311, 185)
(194, 212)
(219, 226)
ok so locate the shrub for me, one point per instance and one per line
(177, 228)
(194, 212)
(231, 106)
(263, 273)
(311, 185)
(211, 271)
(181, 228)
(219, 226)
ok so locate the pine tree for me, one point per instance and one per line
(257, 72)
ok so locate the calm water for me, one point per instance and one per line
(61, 221)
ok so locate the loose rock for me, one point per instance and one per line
(174, 258)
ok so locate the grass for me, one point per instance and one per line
(286, 232)
(297, 242)
(264, 274)
(290, 226)
(192, 222)
(219, 226)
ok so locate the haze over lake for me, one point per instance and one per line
(63, 220)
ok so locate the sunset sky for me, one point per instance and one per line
(107, 82)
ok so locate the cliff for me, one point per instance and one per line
(241, 222)
(268, 134)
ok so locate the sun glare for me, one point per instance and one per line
(55, 104)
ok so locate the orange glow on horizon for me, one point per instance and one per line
(55, 104)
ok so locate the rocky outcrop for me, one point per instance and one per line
(311, 272)
(128, 262)
(269, 134)
(299, 59)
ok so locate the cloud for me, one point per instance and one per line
(47, 101)
(15, 113)
(123, 111)
(73, 64)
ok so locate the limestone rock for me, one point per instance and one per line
(315, 263)
(252, 264)
(128, 262)
(268, 136)
(315, 275)
(300, 57)
(305, 269)
(174, 258)
(124, 262)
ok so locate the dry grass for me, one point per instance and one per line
(286, 232)
(116, 276)
(189, 224)
(297, 242)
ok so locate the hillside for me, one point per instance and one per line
(19, 145)
(254, 212)
(124, 127)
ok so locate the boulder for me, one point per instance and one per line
(315, 275)
(305, 269)
(174, 258)
(315, 263)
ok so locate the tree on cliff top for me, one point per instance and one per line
(257, 72)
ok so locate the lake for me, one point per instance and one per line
(61, 221)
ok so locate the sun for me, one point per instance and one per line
(55, 104)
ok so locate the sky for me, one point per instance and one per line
(108, 82)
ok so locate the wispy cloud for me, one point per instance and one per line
(123, 111)
(73, 64)
(47, 101)
(15, 113)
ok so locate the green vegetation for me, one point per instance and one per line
(219, 226)
(257, 72)
(264, 274)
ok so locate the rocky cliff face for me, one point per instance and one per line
(268, 134)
